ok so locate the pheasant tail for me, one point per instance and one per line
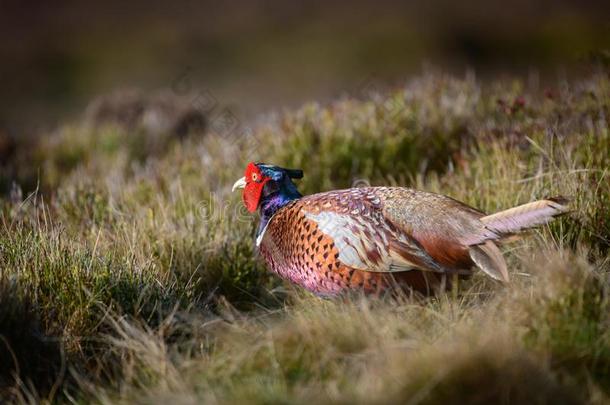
(488, 258)
(525, 216)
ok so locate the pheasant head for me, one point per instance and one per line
(267, 187)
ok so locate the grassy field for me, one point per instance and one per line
(128, 272)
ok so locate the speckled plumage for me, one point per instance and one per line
(295, 247)
(373, 238)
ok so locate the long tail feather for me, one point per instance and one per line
(525, 216)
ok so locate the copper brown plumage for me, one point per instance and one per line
(373, 238)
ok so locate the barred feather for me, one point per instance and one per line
(525, 216)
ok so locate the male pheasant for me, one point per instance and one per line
(374, 238)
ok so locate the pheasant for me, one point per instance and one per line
(373, 239)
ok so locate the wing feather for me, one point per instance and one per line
(366, 243)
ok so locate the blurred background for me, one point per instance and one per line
(256, 56)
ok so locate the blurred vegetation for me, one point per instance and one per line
(128, 271)
(257, 55)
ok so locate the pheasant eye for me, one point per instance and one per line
(254, 177)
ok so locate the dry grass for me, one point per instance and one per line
(130, 276)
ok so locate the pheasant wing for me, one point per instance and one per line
(364, 238)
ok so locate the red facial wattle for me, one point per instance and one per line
(255, 181)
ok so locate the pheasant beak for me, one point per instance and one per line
(241, 183)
